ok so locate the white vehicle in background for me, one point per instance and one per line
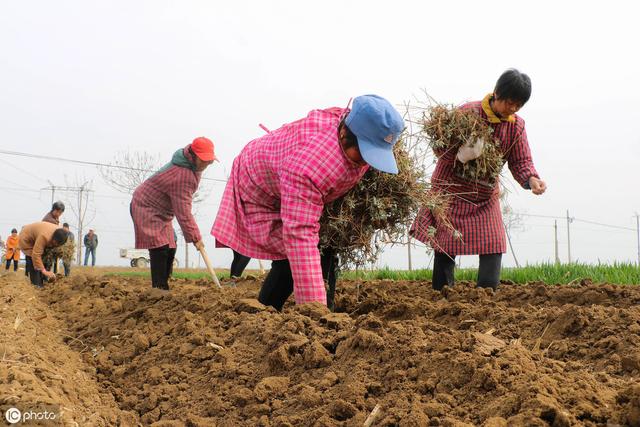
(140, 257)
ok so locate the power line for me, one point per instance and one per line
(22, 170)
(20, 189)
(540, 216)
(579, 220)
(86, 163)
(604, 225)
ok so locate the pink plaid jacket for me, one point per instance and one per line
(156, 201)
(278, 187)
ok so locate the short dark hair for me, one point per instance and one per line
(66, 224)
(60, 236)
(513, 86)
(58, 206)
(13, 230)
(352, 139)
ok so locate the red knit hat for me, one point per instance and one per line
(203, 148)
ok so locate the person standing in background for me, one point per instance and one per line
(90, 244)
(13, 253)
(53, 216)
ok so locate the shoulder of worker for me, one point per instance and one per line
(472, 105)
(316, 120)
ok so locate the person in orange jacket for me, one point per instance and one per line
(13, 253)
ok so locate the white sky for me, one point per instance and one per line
(85, 79)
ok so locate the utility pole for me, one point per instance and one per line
(53, 191)
(80, 190)
(569, 221)
(555, 233)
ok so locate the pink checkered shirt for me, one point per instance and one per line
(278, 187)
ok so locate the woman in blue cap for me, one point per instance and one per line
(279, 185)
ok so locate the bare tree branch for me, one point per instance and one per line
(128, 170)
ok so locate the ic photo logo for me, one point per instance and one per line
(35, 413)
(13, 415)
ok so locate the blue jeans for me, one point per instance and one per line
(91, 251)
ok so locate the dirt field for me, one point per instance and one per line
(111, 351)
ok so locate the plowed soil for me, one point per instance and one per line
(112, 351)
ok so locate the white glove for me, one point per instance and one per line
(470, 150)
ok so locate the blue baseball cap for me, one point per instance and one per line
(377, 125)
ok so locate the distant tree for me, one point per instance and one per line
(128, 170)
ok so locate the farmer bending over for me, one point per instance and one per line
(33, 240)
(280, 182)
(475, 211)
(168, 193)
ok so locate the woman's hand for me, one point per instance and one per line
(199, 245)
(537, 185)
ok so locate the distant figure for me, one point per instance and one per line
(33, 240)
(57, 209)
(70, 240)
(90, 244)
(13, 253)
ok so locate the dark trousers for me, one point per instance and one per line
(161, 266)
(278, 285)
(488, 271)
(34, 275)
(329, 263)
(238, 264)
(15, 264)
(52, 266)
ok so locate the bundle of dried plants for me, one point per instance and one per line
(380, 208)
(65, 252)
(447, 128)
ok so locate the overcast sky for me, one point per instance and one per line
(86, 79)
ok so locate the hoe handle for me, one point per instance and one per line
(205, 257)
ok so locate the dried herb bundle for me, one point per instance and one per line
(379, 209)
(66, 252)
(447, 128)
